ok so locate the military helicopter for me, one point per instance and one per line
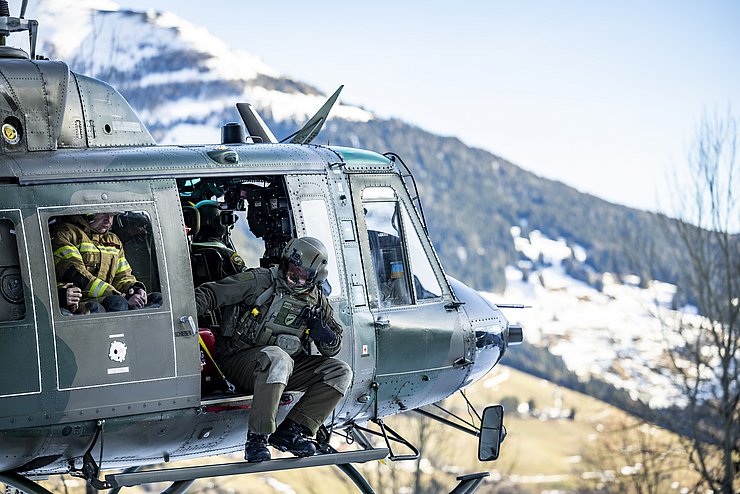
(100, 395)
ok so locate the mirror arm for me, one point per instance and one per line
(467, 430)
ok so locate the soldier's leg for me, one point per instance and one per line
(264, 372)
(325, 381)
(114, 303)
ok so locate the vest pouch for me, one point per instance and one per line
(288, 342)
(230, 320)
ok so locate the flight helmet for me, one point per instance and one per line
(211, 224)
(303, 263)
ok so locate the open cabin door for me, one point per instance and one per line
(420, 339)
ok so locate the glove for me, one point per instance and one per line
(319, 332)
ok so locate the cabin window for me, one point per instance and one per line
(402, 266)
(105, 261)
(12, 301)
(319, 227)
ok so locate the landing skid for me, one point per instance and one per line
(240, 468)
(182, 478)
(22, 483)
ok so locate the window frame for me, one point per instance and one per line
(147, 206)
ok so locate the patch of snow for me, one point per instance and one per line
(613, 334)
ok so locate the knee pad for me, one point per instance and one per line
(277, 363)
(336, 374)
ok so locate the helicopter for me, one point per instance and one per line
(105, 394)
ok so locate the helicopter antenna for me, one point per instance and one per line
(10, 24)
(311, 129)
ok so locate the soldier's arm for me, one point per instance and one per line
(329, 350)
(124, 278)
(71, 269)
(228, 291)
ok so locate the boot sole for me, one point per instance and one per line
(300, 454)
(258, 460)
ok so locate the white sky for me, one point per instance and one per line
(604, 96)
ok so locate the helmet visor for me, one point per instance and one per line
(298, 277)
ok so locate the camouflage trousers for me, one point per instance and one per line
(266, 372)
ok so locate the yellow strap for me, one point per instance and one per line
(204, 347)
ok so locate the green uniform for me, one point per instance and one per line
(258, 311)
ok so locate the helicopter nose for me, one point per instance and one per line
(493, 332)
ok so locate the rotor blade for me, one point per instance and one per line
(311, 129)
(256, 127)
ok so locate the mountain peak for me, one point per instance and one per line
(183, 81)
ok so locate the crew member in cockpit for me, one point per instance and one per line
(90, 256)
(271, 316)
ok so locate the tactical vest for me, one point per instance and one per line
(282, 323)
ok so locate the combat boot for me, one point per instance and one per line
(256, 448)
(290, 436)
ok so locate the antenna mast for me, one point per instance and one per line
(10, 24)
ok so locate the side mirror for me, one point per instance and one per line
(492, 433)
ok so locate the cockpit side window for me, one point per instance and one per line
(404, 273)
(426, 285)
(12, 302)
(105, 261)
(387, 251)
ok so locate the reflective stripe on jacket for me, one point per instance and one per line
(93, 261)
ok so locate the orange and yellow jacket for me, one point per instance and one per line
(93, 261)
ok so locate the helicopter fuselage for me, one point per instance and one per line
(130, 382)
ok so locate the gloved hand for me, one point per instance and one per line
(319, 332)
(136, 297)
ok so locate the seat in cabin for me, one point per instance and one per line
(213, 256)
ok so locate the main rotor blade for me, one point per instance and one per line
(311, 129)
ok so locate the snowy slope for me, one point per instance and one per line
(613, 333)
(186, 78)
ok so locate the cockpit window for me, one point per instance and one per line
(386, 248)
(426, 285)
(401, 264)
(12, 302)
(105, 261)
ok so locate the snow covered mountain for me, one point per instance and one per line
(612, 333)
(183, 81)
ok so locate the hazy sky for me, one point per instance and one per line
(604, 96)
